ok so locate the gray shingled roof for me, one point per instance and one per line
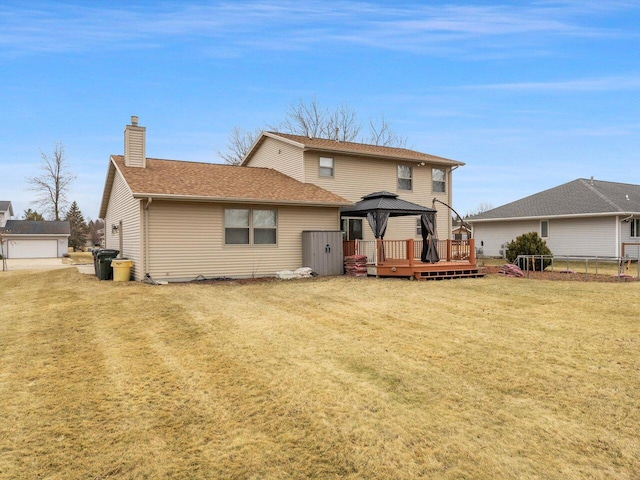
(579, 197)
(33, 227)
(6, 205)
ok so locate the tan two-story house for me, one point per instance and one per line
(353, 170)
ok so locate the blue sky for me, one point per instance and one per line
(529, 94)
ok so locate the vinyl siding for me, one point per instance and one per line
(122, 206)
(594, 236)
(355, 177)
(188, 241)
(279, 156)
(134, 146)
(489, 236)
(583, 236)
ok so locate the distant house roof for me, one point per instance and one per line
(6, 205)
(180, 180)
(351, 148)
(35, 227)
(581, 197)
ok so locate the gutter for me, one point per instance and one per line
(189, 198)
(551, 217)
(31, 235)
(431, 161)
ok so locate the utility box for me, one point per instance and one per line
(322, 251)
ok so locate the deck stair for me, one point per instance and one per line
(449, 274)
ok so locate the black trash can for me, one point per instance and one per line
(103, 263)
(96, 265)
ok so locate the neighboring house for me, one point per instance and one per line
(460, 231)
(35, 239)
(6, 212)
(353, 170)
(582, 218)
(181, 220)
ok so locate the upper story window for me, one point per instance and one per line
(544, 228)
(635, 227)
(438, 178)
(243, 226)
(325, 167)
(405, 177)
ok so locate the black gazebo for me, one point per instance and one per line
(379, 206)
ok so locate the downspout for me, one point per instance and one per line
(618, 227)
(146, 237)
(450, 201)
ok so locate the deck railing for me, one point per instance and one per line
(380, 251)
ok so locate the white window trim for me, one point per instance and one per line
(634, 231)
(410, 178)
(548, 228)
(444, 181)
(251, 229)
(320, 167)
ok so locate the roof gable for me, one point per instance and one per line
(6, 206)
(579, 197)
(215, 182)
(350, 148)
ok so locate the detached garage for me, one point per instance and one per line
(33, 239)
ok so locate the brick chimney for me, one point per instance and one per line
(134, 144)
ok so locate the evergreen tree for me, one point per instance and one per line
(32, 215)
(79, 229)
(96, 230)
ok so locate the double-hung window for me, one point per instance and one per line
(438, 180)
(264, 227)
(325, 167)
(635, 227)
(244, 226)
(405, 177)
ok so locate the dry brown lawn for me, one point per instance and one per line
(77, 258)
(326, 378)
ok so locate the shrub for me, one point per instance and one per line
(529, 244)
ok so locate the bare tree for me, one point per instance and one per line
(382, 134)
(482, 207)
(54, 182)
(238, 145)
(309, 119)
(342, 124)
(305, 118)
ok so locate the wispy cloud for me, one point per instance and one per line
(447, 29)
(614, 83)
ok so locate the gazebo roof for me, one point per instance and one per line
(384, 202)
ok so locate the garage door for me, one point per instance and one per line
(32, 249)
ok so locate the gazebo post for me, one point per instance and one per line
(410, 252)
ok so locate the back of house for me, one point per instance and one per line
(353, 170)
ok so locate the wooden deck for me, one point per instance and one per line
(401, 258)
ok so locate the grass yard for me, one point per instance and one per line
(325, 378)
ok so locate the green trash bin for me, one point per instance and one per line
(104, 257)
